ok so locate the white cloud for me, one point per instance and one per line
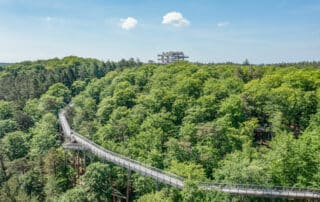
(175, 18)
(223, 24)
(128, 23)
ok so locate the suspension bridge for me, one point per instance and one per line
(82, 143)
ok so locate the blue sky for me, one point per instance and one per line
(264, 31)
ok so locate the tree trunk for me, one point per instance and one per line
(2, 165)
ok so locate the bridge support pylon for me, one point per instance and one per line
(230, 198)
(128, 185)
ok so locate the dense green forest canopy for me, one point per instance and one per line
(228, 123)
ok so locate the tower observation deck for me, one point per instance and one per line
(171, 56)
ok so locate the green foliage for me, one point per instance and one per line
(51, 104)
(143, 185)
(124, 94)
(44, 135)
(12, 191)
(7, 122)
(32, 168)
(59, 90)
(191, 192)
(226, 123)
(105, 109)
(15, 145)
(232, 109)
(29, 80)
(74, 195)
(295, 162)
(33, 183)
(155, 197)
(60, 172)
(31, 108)
(6, 110)
(290, 92)
(77, 87)
(97, 183)
(188, 170)
(207, 122)
(252, 169)
(7, 126)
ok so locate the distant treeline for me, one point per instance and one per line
(4, 64)
(302, 64)
(29, 80)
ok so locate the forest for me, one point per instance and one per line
(226, 123)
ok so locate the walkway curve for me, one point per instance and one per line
(177, 181)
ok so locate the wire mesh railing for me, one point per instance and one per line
(125, 158)
(265, 190)
(258, 187)
(118, 158)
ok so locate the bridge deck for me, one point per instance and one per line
(177, 181)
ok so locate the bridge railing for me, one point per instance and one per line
(74, 133)
(126, 158)
(258, 187)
